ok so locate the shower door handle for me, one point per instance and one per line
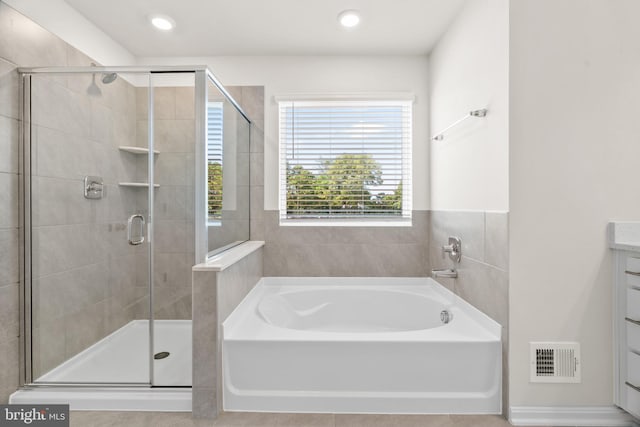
(139, 240)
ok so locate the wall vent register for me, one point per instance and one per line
(555, 362)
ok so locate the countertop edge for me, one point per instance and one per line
(227, 258)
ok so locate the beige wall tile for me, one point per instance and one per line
(205, 342)
(9, 144)
(346, 251)
(185, 103)
(482, 279)
(49, 344)
(9, 368)
(469, 226)
(171, 202)
(256, 162)
(235, 92)
(100, 122)
(173, 136)
(56, 107)
(215, 295)
(9, 256)
(257, 140)
(497, 239)
(253, 105)
(170, 169)
(204, 403)
(257, 203)
(9, 312)
(9, 200)
(171, 236)
(164, 103)
(84, 328)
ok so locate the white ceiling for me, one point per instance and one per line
(272, 27)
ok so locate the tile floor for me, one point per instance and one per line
(160, 419)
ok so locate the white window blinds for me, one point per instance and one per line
(214, 161)
(348, 160)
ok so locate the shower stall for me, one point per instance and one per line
(131, 176)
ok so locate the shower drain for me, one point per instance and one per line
(161, 355)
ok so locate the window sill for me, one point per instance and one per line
(404, 222)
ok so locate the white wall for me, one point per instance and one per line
(574, 162)
(322, 74)
(469, 70)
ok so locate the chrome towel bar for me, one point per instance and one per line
(474, 113)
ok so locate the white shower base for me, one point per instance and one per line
(123, 357)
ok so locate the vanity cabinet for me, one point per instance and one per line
(624, 239)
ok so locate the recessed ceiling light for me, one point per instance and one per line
(163, 22)
(349, 18)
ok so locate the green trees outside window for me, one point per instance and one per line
(214, 189)
(341, 188)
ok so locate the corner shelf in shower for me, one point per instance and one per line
(137, 184)
(136, 150)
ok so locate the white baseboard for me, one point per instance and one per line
(601, 416)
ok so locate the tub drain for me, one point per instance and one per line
(161, 355)
(446, 316)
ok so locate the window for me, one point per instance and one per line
(345, 161)
(214, 162)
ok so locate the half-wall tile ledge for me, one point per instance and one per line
(229, 257)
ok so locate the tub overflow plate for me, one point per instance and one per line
(161, 355)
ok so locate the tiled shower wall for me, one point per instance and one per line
(483, 278)
(22, 43)
(9, 215)
(87, 280)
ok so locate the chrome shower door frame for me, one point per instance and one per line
(202, 74)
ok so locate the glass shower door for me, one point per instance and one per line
(173, 127)
(88, 250)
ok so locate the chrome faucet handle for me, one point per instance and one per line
(454, 249)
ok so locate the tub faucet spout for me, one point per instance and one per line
(448, 273)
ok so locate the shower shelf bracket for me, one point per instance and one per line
(137, 184)
(136, 150)
(474, 113)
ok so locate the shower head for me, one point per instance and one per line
(93, 89)
(109, 78)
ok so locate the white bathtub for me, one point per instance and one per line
(360, 345)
